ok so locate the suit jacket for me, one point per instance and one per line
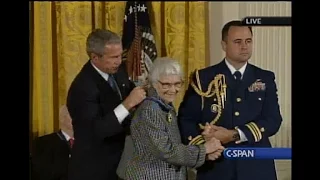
(158, 151)
(50, 157)
(99, 135)
(252, 106)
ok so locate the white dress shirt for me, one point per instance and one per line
(120, 111)
(243, 137)
(66, 135)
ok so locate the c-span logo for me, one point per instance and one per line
(267, 21)
(257, 153)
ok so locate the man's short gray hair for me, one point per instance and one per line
(164, 66)
(98, 39)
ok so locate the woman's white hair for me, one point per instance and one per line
(163, 66)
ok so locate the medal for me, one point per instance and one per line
(169, 118)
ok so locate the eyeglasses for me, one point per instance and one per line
(169, 85)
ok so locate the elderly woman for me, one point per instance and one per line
(158, 150)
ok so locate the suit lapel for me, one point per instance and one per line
(119, 84)
(102, 83)
(122, 80)
(61, 136)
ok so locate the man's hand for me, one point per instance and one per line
(221, 133)
(208, 132)
(136, 96)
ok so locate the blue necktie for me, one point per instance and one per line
(114, 85)
(237, 76)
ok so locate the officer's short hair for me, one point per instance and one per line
(226, 27)
(163, 66)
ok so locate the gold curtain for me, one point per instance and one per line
(59, 34)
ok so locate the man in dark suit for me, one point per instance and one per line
(51, 152)
(240, 102)
(99, 101)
